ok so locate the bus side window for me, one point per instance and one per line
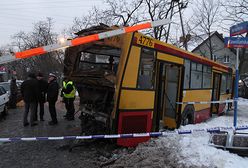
(186, 74)
(229, 83)
(145, 78)
(223, 84)
(196, 76)
(207, 77)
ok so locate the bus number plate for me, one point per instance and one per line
(146, 41)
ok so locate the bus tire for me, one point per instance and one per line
(188, 115)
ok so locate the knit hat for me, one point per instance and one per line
(53, 75)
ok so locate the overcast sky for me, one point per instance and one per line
(17, 15)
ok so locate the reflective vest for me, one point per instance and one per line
(73, 92)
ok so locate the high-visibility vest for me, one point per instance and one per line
(73, 92)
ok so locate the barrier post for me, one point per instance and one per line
(236, 95)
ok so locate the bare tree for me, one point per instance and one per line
(160, 9)
(236, 12)
(206, 19)
(124, 13)
(42, 34)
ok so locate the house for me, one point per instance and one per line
(217, 52)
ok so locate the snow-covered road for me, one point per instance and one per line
(188, 150)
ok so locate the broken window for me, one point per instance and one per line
(146, 69)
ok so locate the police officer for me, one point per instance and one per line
(68, 93)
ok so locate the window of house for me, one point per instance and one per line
(215, 57)
(226, 59)
(145, 79)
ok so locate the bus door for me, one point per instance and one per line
(215, 92)
(168, 91)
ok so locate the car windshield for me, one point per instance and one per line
(246, 81)
(6, 86)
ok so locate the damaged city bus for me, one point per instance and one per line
(131, 83)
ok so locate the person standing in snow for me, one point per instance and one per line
(52, 97)
(29, 90)
(42, 95)
(13, 93)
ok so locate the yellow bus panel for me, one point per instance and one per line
(169, 58)
(225, 97)
(170, 122)
(219, 70)
(130, 76)
(126, 41)
(197, 95)
(136, 99)
(145, 40)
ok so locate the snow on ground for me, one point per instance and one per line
(188, 150)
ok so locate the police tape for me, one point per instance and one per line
(90, 38)
(134, 135)
(209, 102)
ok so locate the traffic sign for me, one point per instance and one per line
(239, 29)
(236, 42)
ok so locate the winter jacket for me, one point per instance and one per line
(29, 90)
(13, 87)
(53, 91)
(43, 85)
(68, 90)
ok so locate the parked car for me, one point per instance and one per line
(243, 88)
(4, 99)
(6, 86)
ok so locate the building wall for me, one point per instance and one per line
(218, 49)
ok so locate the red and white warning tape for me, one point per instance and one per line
(208, 102)
(134, 135)
(88, 39)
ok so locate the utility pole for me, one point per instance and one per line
(172, 7)
(181, 19)
(180, 5)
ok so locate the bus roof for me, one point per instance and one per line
(173, 50)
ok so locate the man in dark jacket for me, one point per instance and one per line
(13, 93)
(29, 90)
(42, 94)
(52, 96)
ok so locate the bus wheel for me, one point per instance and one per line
(188, 115)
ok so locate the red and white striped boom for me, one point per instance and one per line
(88, 39)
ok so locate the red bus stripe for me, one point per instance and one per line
(188, 56)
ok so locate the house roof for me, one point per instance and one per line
(197, 41)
